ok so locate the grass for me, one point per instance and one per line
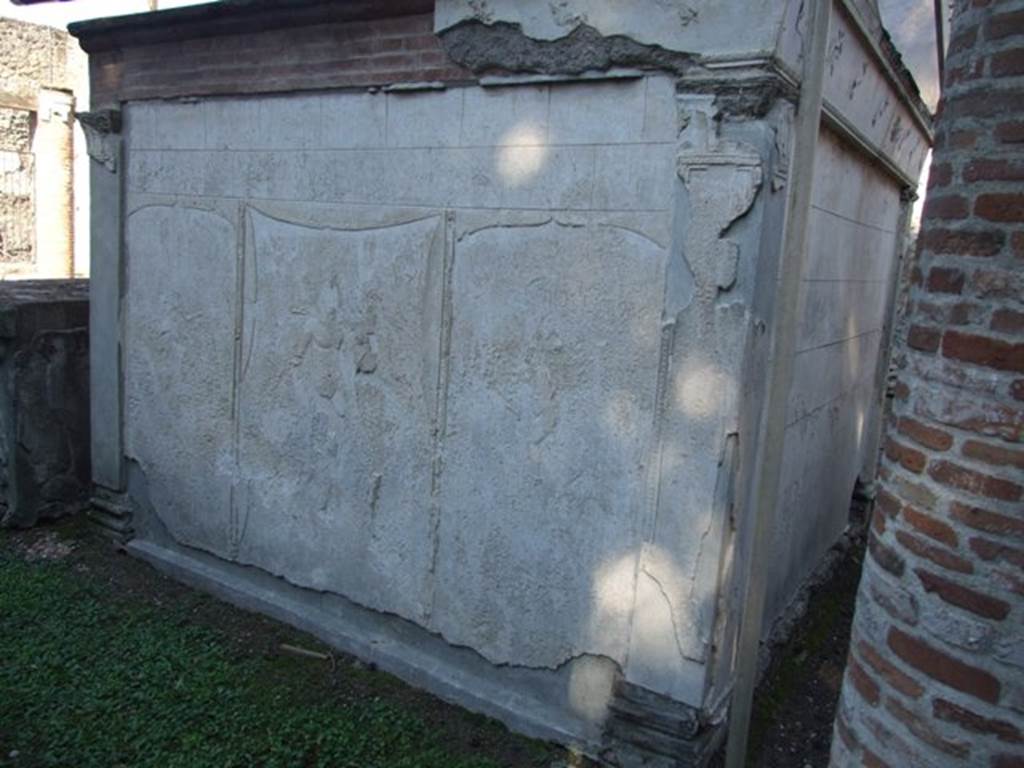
(91, 679)
(105, 663)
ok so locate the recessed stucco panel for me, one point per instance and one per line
(179, 367)
(843, 301)
(337, 401)
(555, 340)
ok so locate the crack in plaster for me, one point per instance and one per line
(671, 614)
(139, 494)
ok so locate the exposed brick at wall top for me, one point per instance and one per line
(338, 55)
(937, 664)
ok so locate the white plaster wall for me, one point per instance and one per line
(406, 348)
(843, 302)
(474, 357)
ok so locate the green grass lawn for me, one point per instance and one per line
(89, 677)
(104, 663)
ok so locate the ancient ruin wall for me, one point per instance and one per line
(421, 368)
(40, 70)
(471, 381)
(936, 663)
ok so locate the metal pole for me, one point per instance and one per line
(773, 420)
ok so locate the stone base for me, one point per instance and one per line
(648, 730)
(110, 516)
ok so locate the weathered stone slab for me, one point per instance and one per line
(338, 388)
(555, 344)
(44, 399)
(179, 369)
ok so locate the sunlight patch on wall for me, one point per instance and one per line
(522, 154)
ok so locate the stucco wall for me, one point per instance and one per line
(844, 303)
(406, 347)
(469, 378)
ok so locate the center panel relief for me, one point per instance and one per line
(338, 390)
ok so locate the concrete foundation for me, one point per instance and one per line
(465, 375)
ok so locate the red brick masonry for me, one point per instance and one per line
(936, 665)
(185, 52)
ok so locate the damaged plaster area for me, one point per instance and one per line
(707, 321)
(502, 47)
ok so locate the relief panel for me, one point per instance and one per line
(338, 388)
(555, 347)
(179, 367)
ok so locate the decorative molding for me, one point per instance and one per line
(102, 128)
(647, 729)
(730, 176)
(112, 514)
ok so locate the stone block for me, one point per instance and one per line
(44, 400)
(605, 112)
(424, 118)
(167, 125)
(349, 120)
(503, 116)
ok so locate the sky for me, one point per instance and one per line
(58, 14)
(910, 22)
(912, 26)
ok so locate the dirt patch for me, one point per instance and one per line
(795, 704)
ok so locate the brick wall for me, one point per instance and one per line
(936, 666)
(337, 54)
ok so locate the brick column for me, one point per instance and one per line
(936, 666)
